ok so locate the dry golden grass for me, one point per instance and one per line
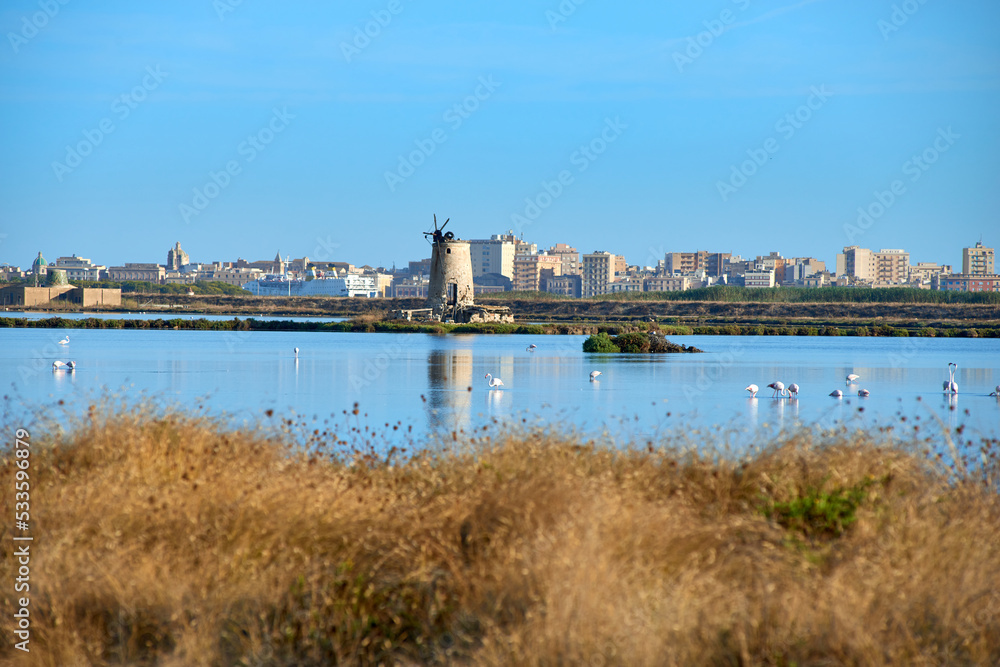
(171, 540)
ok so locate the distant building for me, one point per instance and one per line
(423, 267)
(598, 273)
(25, 296)
(570, 258)
(233, 276)
(978, 260)
(531, 270)
(667, 283)
(176, 258)
(39, 267)
(759, 278)
(493, 255)
(79, 268)
(923, 274)
(681, 263)
(884, 268)
(963, 282)
(571, 285)
(153, 273)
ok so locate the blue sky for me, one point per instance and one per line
(744, 126)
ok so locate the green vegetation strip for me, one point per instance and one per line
(365, 326)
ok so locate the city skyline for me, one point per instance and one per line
(245, 128)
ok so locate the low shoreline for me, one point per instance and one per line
(370, 325)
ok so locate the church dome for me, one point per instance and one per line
(39, 261)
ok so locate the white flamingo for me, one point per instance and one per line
(836, 393)
(594, 374)
(853, 378)
(531, 348)
(753, 389)
(494, 382)
(950, 386)
(64, 341)
(62, 365)
(778, 387)
(296, 350)
(864, 393)
(996, 392)
(793, 390)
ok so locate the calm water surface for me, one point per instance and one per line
(160, 315)
(424, 381)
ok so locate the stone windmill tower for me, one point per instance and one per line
(450, 292)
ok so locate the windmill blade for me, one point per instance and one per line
(445, 223)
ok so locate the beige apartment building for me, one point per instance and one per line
(598, 273)
(530, 271)
(570, 258)
(978, 260)
(882, 269)
(667, 284)
(494, 255)
(232, 276)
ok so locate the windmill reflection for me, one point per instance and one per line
(449, 401)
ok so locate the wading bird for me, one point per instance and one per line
(950, 386)
(864, 393)
(778, 387)
(793, 390)
(63, 365)
(531, 348)
(296, 350)
(494, 382)
(64, 341)
(836, 393)
(853, 378)
(996, 392)
(594, 374)
(753, 389)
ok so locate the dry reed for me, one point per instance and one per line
(174, 540)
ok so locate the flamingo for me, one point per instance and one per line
(61, 365)
(594, 374)
(64, 341)
(793, 390)
(996, 392)
(950, 386)
(852, 378)
(296, 350)
(778, 388)
(753, 389)
(531, 348)
(836, 393)
(494, 382)
(864, 393)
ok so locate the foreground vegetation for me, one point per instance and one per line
(170, 539)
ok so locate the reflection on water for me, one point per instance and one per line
(449, 395)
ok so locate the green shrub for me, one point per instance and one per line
(600, 343)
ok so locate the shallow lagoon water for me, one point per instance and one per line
(423, 381)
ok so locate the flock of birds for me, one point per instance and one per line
(949, 386)
(779, 389)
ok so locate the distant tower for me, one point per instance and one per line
(176, 258)
(278, 266)
(39, 267)
(450, 287)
